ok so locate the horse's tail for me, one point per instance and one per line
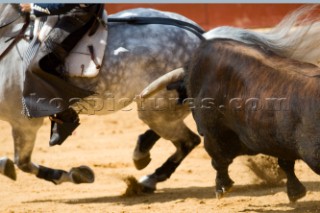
(296, 36)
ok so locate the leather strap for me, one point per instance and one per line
(160, 20)
(97, 20)
(18, 37)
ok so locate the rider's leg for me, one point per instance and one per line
(70, 119)
(50, 59)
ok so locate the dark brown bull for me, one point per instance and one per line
(248, 100)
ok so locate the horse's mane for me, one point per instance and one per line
(296, 36)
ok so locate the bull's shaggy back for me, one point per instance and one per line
(238, 70)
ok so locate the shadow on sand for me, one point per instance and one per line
(300, 206)
(202, 193)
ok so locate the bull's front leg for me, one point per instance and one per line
(221, 158)
(295, 189)
(223, 181)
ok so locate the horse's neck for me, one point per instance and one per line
(11, 65)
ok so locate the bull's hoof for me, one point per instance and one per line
(223, 186)
(9, 169)
(297, 193)
(221, 192)
(142, 163)
(148, 184)
(81, 174)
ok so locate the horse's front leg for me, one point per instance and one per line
(24, 139)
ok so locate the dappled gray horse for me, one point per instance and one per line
(135, 56)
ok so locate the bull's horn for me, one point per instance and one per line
(162, 82)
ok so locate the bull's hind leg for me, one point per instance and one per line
(295, 189)
(169, 125)
(24, 135)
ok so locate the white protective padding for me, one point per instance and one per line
(79, 63)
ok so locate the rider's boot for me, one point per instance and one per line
(62, 126)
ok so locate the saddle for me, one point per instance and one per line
(85, 59)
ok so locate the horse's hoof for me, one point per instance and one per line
(148, 184)
(81, 174)
(142, 163)
(146, 189)
(9, 169)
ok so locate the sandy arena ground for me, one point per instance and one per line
(105, 143)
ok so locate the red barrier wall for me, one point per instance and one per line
(213, 15)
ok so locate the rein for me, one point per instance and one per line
(18, 37)
(159, 20)
(10, 22)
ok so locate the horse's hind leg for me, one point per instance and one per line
(24, 135)
(141, 154)
(171, 127)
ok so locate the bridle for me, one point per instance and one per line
(20, 35)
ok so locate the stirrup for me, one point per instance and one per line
(60, 130)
